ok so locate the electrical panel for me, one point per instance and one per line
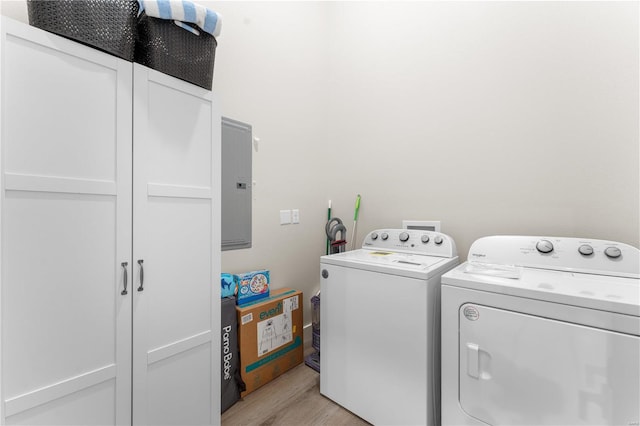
(236, 184)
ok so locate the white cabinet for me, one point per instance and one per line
(104, 163)
(176, 233)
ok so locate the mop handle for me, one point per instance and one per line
(355, 222)
(328, 219)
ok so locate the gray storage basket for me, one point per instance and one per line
(166, 47)
(108, 25)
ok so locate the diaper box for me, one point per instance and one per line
(270, 337)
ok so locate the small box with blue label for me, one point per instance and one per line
(253, 286)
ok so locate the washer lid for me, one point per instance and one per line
(407, 264)
(606, 293)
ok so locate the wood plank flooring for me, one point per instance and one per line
(291, 399)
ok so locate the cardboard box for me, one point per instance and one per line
(270, 337)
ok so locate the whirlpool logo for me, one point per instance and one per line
(478, 255)
(471, 313)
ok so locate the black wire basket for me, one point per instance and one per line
(168, 48)
(108, 25)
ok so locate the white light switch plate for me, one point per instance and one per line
(285, 217)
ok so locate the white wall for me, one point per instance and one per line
(493, 117)
(271, 68)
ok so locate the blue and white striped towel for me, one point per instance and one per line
(184, 11)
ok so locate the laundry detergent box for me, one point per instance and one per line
(253, 286)
(270, 337)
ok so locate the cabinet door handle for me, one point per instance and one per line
(141, 288)
(124, 266)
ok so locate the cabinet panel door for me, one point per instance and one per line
(176, 220)
(66, 229)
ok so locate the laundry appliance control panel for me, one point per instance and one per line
(600, 257)
(428, 243)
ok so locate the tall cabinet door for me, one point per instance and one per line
(66, 231)
(176, 249)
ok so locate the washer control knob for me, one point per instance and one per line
(404, 236)
(424, 239)
(613, 252)
(384, 236)
(585, 250)
(544, 246)
(437, 239)
(374, 236)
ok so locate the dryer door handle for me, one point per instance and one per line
(473, 360)
(478, 362)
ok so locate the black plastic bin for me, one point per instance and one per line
(165, 47)
(108, 25)
(231, 384)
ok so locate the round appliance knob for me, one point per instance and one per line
(424, 239)
(437, 239)
(404, 236)
(374, 236)
(585, 250)
(544, 246)
(613, 252)
(384, 236)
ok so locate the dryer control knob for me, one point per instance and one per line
(613, 252)
(585, 250)
(424, 239)
(374, 236)
(438, 240)
(544, 246)
(384, 236)
(404, 236)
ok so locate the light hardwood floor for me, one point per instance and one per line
(291, 399)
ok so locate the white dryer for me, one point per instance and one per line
(542, 331)
(379, 326)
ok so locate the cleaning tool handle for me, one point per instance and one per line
(328, 218)
(355, 214)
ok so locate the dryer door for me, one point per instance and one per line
(518, 369)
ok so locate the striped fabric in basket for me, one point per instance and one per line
(184, 11)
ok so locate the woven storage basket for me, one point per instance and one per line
(165, 47)
(108, 25)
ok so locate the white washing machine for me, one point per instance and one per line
(542, 331)
(379, 322)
